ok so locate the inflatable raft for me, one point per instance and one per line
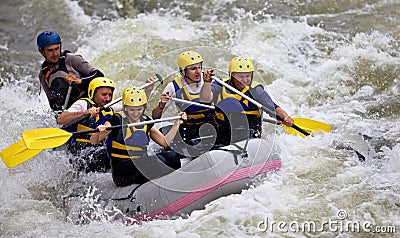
(210, 176)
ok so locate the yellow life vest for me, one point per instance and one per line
(92, 123)
(196, 115)
(129, 143)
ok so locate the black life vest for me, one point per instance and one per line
(58, 86)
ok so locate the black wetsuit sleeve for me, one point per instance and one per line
(87, 79)
(114, 121)
(149, 126)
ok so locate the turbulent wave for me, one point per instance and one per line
(332, 62)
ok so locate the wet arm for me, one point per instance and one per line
(150, 88)
(156, 113)
(287, 120)
(68, 117)
(85, 69)
(206, 94)
(99, 136)
(158, 137)
(162, 140)
(75, 112)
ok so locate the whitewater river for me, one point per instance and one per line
(331, 61)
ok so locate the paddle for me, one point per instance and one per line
(46, 138)
(306, 124)
(309, 125)
(17, 153)
(160, 79)
(259, 105)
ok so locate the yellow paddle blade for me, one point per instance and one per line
(45, 138)
(309, 125)
(17, 153)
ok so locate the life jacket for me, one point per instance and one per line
(90, 123)
(58, 86)
(196, 115)
(227, 100)
(131, 142)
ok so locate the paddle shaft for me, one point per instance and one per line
(142, 87)
(67, 97)
(193, 103)
(186, 101)
(213, 108)
(271, 121)
(259, 105)
(111, 103)
(128, 125)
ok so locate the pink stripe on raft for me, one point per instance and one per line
(211, 186)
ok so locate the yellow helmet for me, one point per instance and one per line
(240, 64)
(188, 58)
(134, 96)
(97, 83)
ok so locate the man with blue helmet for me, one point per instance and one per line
(61, 70)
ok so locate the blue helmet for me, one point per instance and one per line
(47, 38)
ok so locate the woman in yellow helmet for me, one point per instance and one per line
(187, 87)
(127, 147)
(234, 113)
